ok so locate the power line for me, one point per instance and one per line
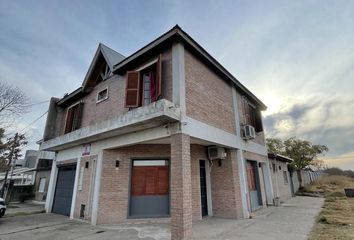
(37, 103)
(34, 121)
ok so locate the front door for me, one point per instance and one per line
(150, 188)
(203, 188)
(253, 185)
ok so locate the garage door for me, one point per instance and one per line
(150, 188)
(64, 190)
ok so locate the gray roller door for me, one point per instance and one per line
(64, 190)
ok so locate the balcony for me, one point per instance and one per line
(156, 114)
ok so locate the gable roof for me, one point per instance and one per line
(110, 56)
(177, 33)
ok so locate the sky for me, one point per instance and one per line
(296, 56)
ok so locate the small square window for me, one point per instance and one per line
(86, 164)
(102, 95)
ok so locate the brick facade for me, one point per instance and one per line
(114, 105)
(208, 96)
(114, 190)
(181, 191)
(225, 188)
(85, 194)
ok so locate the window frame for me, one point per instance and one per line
(103, 99)
(66, 116)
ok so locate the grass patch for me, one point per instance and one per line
(336, 220)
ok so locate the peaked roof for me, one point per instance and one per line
(110, 56)
(177, 33)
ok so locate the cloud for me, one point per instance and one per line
(322, 121)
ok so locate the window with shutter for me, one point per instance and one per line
(144, 84)
(132, 90)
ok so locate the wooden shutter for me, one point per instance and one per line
(132, 90)
(138, 181)
(77, 116)
(69, 120)
(150, 180)
(158, 77)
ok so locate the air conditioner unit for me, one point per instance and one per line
(215, 152)
(249, 132)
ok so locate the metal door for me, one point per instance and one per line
(64, 190)
(203, 188)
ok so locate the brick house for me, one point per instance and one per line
(165, 132)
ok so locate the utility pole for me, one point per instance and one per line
(5, 186)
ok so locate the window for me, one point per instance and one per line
(73, 118)
(285, 175)
(274, 168)
(102, 95)
(41, 185)
(251, 115)
(143, 85)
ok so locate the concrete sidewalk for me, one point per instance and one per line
(293, 220)
(28, 207)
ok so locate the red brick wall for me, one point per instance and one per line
(114, 190)
(181, 190)
(225, 188)
(84, 196)
(208, 97)
(198, 152)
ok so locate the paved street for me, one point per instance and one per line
(293, 220)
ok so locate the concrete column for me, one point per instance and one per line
(76, 183)
(178, 77)
(236, 183)
(96, 189)
(268, 183)
(51, 186)
(181, 188)
(243, 183)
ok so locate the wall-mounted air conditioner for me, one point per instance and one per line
(249, 132)
(215, 152)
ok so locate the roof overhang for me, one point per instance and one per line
(279, 157)
(177, 34)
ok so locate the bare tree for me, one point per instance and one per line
(13, 102)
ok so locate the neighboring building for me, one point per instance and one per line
(133, 140)
(282, 183)
(24, 170)
(43, 168)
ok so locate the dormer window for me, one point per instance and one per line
(102, 95)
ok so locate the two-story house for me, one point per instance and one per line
(164, 132)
